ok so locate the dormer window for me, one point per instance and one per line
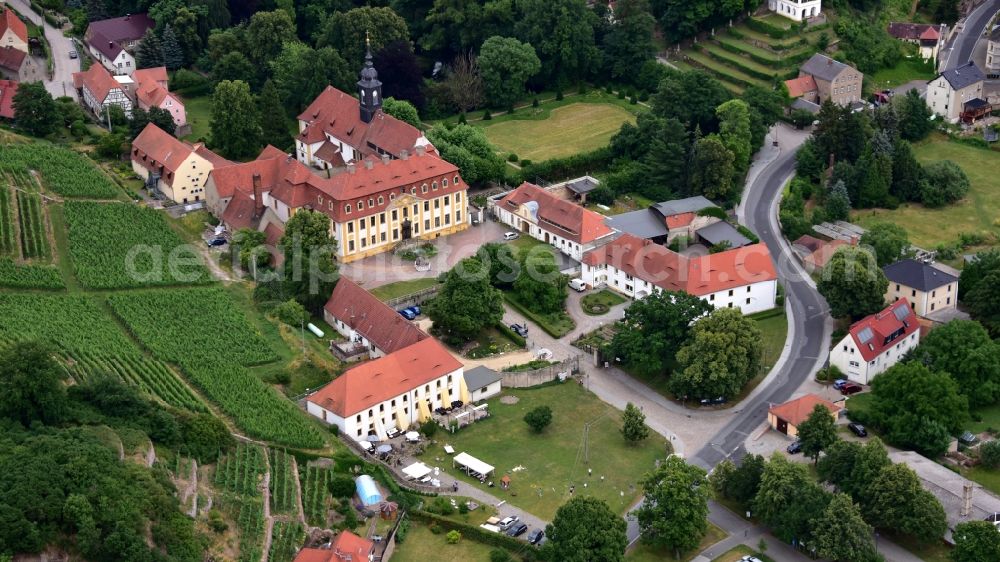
(423, 188)
(361, 205)
(381, 200)
(456, 180)
(319, 199)
(434, 186)
(444, 182)
(371, 202)
(347, 208)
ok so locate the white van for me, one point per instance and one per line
(577, 285)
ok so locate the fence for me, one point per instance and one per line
(535, 377)
(419, 297)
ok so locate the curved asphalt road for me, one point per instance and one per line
(965, 42)
(61, 83)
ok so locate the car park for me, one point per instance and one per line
(795, 448)
(536, 536)
(517, 529)
(506, 522)
(850, 388)
(858, 429)
(520, 329)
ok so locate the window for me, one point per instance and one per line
(373, 239)
(913, 293)
(350, 245)
(427, 205)
(897, 286)
(395, 234)
(319, 199)
(949, 288)
(458, 197)
(395, 215)
(392, 197)
(456, 180)
(381, 199)
(933, 294)
(437, 222)
(711, 298)
(932, 306)
(458, 216)
(373, 220)
(748, 288)
(748, 301)
(434, 185)
(446, 200)
(381, 218)
(437, 203)
(447, 219)
(427, 224)
(364, 242)
(423, 188)
(845, 348)
(350, 227)
(347, 208)
(948, 301)
(444, 182)
(371, 202)
(730, 292)
(361, 205)
(383, 237)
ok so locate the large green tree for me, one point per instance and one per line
(888, 240)
(976, 270)
(301, 73)
(35, 110)
(235, 123)
(734, 131)
(629, 42)
(899, 503)
(31, 386)
(818, 432)
(584, 530)
(975, 541)
(468, 148)
(562, 33)
(723, 355)
(402, 110)
(692, 98)
(852, 283)
(348, 32)
(744, 483)
(787, 499)
(906, 173)
(540, 286)
(234, 66)
(711, 169)
(273, 117)
(466, 303)
(655, 328)
(943, 182)
(634, 427)
(310, 258)
(666, 160)
(506, 64)
(173, 54)
(149, 51)
(674, 515)
(964, 350)
(914, 116)
(266, 35)
(841, 534)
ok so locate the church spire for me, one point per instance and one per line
(369, 86)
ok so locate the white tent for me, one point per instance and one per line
(472, 464)
(417, 470)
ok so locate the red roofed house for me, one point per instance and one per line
(99, 90)
(347, 547)
(743, 278)
(368, 322)
(13, 31)
(786, 417)
(928, 37)
(151, 91)
(565, 225)
(177, 169)
(112, 41)
(877, 342)
(18, 65)
(803, 87)
(8, 88)
(815, 253)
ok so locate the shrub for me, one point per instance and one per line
(216, 523)
(989, 454)
(453, 537)
(539, 418)
(525, 162)
(290, 312)
(461, 119)
(512, 158)
(486, 115)
(341, 486)
(633, 100)
(559, 95)
(436, 529)
(498, 555)
(463, 508)
(716, 212)
(335, 429)
(428, 429)
(534, 102)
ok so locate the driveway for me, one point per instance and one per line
(961, 48)
(61, 83)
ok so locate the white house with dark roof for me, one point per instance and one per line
(797, 10)
(112, 41)
(952, 90)
(993, 53)
(483, 383)
(877, 342)
(928, 289)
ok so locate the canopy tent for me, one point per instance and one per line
(402, 420)
(425, 412)
(417, 471)
(412, 436)
(472, 464)
(463, 391)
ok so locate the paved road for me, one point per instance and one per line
(965, 42)
(62, 79)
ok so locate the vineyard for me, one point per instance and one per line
(8, 231)
(286, 538)
(64, 171)
(27, 276)
(314, 494)
(116, 246)
(149, 375)
(251, 529)
(73, 323)
(34, 241)
(242, 470)
(282, 482)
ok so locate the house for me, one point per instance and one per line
(815, 253)
(877, 342)
(393, 391)
(743, 278)
(338, 129)
(151, 90)
(99, 90)
(483, 383)
(993, 53)
(368, 322)
(8, 89)
(927, 37)
(347, 547)
(18, 65)
(803, 87)
(927, 288)
(797, 10)
(835, 80)
(176, 169)
(112, 41)
(13, 31)
(786, 418)
(570, 228)
(952, 90)
(666, 221)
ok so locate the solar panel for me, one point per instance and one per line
(901, 313)
(865, 335)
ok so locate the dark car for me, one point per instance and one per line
(215, 242)
(858, 429)
(536, 536)
(795, 448)
(517, 529)
(409, 313)
(713, 401)
(520, 329)
(850, 388)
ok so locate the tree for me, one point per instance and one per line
(562, 33)
(975, 541)
(838, 203)
(874, 171)
(906, 173)
(984, 304)
(837, 464)
(914, 116)
(898, 502)
(692, 97)
(711, 169)
(156, 115)
(301, 73)
(675, 513)
(964, 350)
(538, 418)
(205, 436)
(466, 302)
(234, 66)
(840, 132)
(665, 163)
(266, 35)
(629, 43)
(743, 485)
(989, 454)
(468, 148)
(634, 424)
(112, 146)
(852, 283)
(655, 328)
(734, 131)
(31, 386)
(402, 110)
(249, 244)
(585, 529)
(767, 106)
(149, 51)
(975, 272)
(841, 533)
(311, 252)
(888, 241)
(506, 64)
(399, 71)
(917, 408)
(723, 355)
(464, 82)
(341, 486)
(235, 124)
(36, 111)
(173, 55)
(350, 31)
(787, 499)
(943, 182)
(817, 432)
(540, 286)
(273, 117)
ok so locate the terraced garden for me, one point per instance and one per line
(151, 376)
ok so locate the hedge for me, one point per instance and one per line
(505, 330)
(778, 63)
(716, 212)
(761, 26)
(742, 67)
(520, 548)
(556, 169)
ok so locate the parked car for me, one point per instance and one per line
(839, 383)
(73, 55)
(506, 522)
(216, 242)
(858, 429)
(849, 388)
(713, 401)
(968, 438)
(577, 285)
(795, 448)
(408, 313)
(536, 536)
(517, 529)
(749, 558)
(511, 236)
(520, 329)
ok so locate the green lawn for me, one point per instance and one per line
(739, 551)
(402, 288)
(491, 341)
(556, 324)
(422, 545)
(904, 71)
(975, 213)
(554, 460)
(539, 134)
(990, 416)
(199, 116)
(599, 302)
(646, 553)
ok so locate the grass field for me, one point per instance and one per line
(422, 545)
(975, 213)
(199, 116)
(646, 553)
(567, 130)
(553, 460)
(402, 288)
(905, 71)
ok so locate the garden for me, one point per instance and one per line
(492, 341)
(402, 288)
(422, 544)
(63, 171)
(600, 302)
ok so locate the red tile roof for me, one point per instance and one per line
(8, 88)
(98, 80)
(558, 216)
(12, 59)
(930, 34)
(330, 153)
(876, 333)
(679, 220)
(372, 318)
(156, 74)
(798, 87)
(820, 251)
(9, 20)
(347, 547)
(797, 411)
(159, 151)
(239, 212)
(912, 31)
(697, 275)
(384, 378)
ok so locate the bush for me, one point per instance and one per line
(190, 83)
(621, 93)
(829, 374)
(428, 429)
(334, 429)
(559, 95)
(290, 312)
(442, 506)
(461, 119)
(505, 330)
(602, 195)
(341, 486)
(716, 212)
(539, 418)
(216, 523)
(453, 537)
(555, 169)
(436, 529)
(498, 555)
(534, 102)
(463, 508)
(486, 115)
(512, 158)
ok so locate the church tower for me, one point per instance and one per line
(369, 87)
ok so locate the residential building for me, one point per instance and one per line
(99, 90)
(954, 89)
(13, 31)
(8, 88)
(927, 288)
(151, 90)
(368, 322)
(112, 42)
(347, 547)
(835, 80)
(666, 221)
(743, 278)
(815, 253)
(176, 169)
(797, 10)
(927, 37)
(570, 228)
(18, 65)
(786, 418)
(993, 53)
(803, 87)
(338, 129)
(877, 342)
(483, 383)
(393, 391)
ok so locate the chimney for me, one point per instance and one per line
(351, 168)
(385, 159)
(829, 61)
(404, 155)
(369, 164)
(258, 198)
(420, 150)
(111, 44)
(966, 499)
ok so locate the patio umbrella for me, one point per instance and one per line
(402, 419)
(383, 448)
(373, 438)
(463, 391)
(425, 412)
